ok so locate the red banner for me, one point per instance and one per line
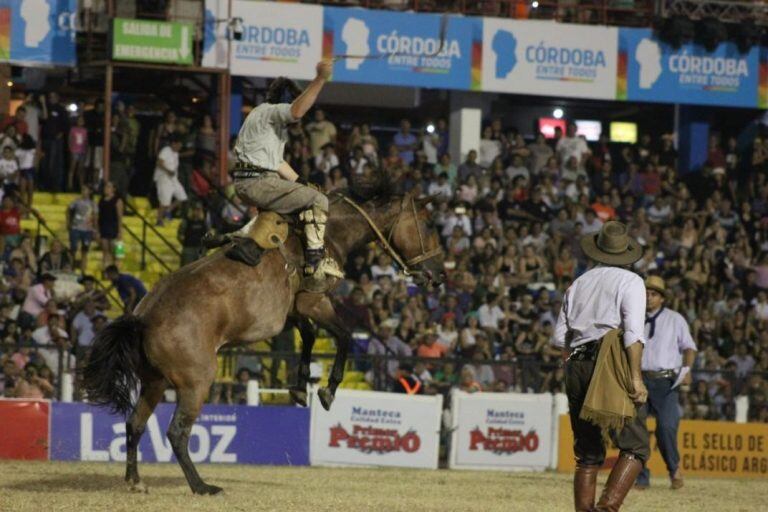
(25, 429)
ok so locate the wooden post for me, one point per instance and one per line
(5, 91)
(107, 119)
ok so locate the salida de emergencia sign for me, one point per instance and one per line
(152, 41)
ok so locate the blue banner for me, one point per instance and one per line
(650, 70)
(222, 434)
(42, 32)
(403, 48)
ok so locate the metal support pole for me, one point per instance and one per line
(225, 91)
(144, 245)
(5, 90)
(107, 119)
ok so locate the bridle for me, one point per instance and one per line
(406, 265)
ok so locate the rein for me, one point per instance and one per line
(405, 265)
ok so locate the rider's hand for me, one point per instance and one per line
(324, 69)
(640, 396)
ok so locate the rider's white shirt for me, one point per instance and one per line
(262, 138)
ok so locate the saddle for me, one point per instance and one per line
(269, 231)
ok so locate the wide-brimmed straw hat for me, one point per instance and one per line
(612, 245)
(656, 283)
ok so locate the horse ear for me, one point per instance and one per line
(424, 201)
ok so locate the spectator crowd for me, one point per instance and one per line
(510, 216)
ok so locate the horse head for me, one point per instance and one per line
(414, 236)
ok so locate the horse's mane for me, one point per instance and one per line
(378, 187)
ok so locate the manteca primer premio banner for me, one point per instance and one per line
(377, 429)
(504, 431)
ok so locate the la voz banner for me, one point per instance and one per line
(501, 431)
(221, 434)
(654, 71)
(411, 43)
(38, 32)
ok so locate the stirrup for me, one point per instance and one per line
(327, 267)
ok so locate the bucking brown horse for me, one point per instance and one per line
(173, 335)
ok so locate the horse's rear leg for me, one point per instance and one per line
(190, 400)
(151, 393)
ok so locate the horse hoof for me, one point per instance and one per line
(298, 396)
(139, 486)
(208, 489)
(326, 398)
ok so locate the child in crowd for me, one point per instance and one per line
(26, 154)
(9, 171)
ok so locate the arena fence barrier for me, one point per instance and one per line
(502, 431)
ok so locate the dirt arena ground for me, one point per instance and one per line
(60, 486)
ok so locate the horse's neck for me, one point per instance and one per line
(349, 230)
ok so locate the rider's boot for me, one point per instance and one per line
(314, 231)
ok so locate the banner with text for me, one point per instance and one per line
(222, 434)
(650, 70)
(403, 48)
(152, 41)
(707, 448)
(549, 59)
(502, 431)
(278, 39)
(377, 429)
(38, 32)
(215, 40)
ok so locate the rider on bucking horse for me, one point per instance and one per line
(263, 179)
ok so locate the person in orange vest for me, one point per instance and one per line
(406, 382)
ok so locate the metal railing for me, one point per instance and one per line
(527, 374)
(42, 225)
(142, 240)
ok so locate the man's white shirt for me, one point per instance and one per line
(262, 138)
(600, 300)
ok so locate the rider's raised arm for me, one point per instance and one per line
(306, 99)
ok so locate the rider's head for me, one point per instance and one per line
(282, 90)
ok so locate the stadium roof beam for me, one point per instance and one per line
(725, 11)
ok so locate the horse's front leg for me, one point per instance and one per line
(320, 309)
(298, 391)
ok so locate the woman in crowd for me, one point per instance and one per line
(110, 223)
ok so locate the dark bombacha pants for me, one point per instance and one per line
(588, 441)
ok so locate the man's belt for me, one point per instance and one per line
(245, 171)
(585, 352)
(660, 374)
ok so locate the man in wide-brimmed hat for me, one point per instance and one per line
(605, 309)
(669, 353)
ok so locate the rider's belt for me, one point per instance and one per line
(660, 374)
(585, 352)
(245, 171)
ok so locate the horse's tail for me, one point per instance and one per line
(111, 372)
